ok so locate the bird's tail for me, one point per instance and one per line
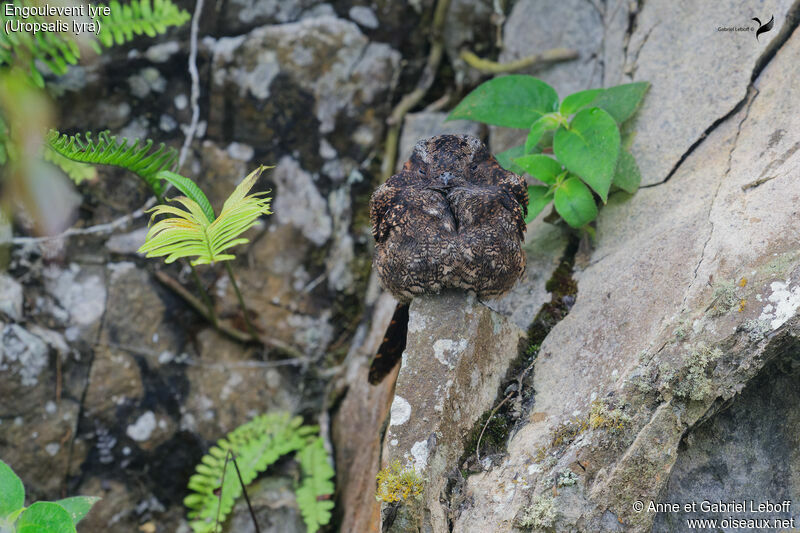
(391, 349)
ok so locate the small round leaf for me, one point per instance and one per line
(543, 168)
(538, 198)
(575, 203)
(513, 101)
(45, 517)
(12, 492)
(589, 148)
(577, 101)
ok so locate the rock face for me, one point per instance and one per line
(685, 305)
(456, 356)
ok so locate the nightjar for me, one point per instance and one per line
(452, 218)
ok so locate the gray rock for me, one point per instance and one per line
(299, 203)
(23, 354)
(11, 298)
(682, 102)
(249, 13)
(647, 334)
(744, 453)
(161, 52)
(80, 291)
(127, 243)
(326, 58)
(533, 27)
(456, 355)
(364, 16)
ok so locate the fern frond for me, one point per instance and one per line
(138, 18)
(77, 172)
(191, 232)
(256, 445)
(58, 50)
(316, 487)
(107, 150)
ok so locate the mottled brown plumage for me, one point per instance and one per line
(451, 219)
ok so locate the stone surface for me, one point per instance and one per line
(649, 314)
(456, 355)
(11, 299)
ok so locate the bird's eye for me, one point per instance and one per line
(474, 167)
(421, 171)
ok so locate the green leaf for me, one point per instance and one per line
(12, 492)
(622, 101)
(45, 517)
(77, 172)
(506, 159)
(627, 177)
(577, 101)
(589, 148)
(190, 189)
(544, 124)
(313, 495)
(543, 168)
(513, 101)
(538, 198)
(78, 506)
(575, 203)
(190, 232)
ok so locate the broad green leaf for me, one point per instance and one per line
(45, 517)
(538, 198)
(589, 148)
(543, 168)
(190, 233)
(577, 101)
(627, 176)
(506, 159)
(622, 101)
(544, 124)
(78, 506)
(575, 203)
(12, 492)
(190, 189)
(513, 101)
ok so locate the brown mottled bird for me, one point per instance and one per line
(452, 218)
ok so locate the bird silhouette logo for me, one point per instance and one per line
(764, 28)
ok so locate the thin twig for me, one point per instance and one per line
(494, 411)
(223, 326)
(488, 66)
(204, 295)
(195, 94)
(100, 229)
(395, 120)
(243, 307)
(244, 492)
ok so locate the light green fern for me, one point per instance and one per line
(317, 481)
(107, 150)
(138, 18)
(58, 50)
(256, 445)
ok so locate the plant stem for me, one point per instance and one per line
(204, 295)
(492, 67)
(250, 328)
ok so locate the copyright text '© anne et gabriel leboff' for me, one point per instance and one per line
(44, 17)
(749, 514)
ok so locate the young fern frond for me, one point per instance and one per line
(138, 18)
(77, 172)
(256, 445)
(316, 485)
(192, 233)
(107, 150)
(58, 50)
